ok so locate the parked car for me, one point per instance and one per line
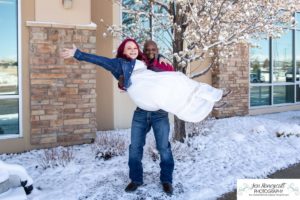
(289, 75)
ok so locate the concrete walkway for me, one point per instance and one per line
(293, 172)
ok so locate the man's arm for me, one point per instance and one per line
(163, 59)
(159, 65)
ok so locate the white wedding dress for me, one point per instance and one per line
(173, 92)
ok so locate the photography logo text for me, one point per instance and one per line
(264, 189)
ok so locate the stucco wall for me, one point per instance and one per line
(104, 46)
(53, 11)
(124, 107)
(114, 108)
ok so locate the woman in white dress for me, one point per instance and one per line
(173, 92)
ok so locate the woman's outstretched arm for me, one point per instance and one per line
(107, 63)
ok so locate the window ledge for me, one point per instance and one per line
(91, 26)
(4, 137)
(273, 109)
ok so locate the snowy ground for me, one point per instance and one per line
(220, 152)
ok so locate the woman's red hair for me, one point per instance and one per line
(120, 51)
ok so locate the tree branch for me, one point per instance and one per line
(162, 5)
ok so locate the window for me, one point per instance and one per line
(274, 69)
(298, 93)
(283, 58)
(9, 69)
(260, 96)
(136, 13)
(297, 56)
(260, 62)
(283, 94)
(297, 18)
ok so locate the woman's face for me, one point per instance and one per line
(131, 50)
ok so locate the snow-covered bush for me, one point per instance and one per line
(261, 129)
(151, 150)
(179, 150)
(201, 128)
(287, 134)
(287, 131)
(54, 157)
(108, 145)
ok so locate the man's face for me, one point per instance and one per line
(150, 51)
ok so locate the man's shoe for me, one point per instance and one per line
(168, 188)
(226, 92)
(219, 105)
(131, 187)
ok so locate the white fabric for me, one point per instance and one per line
(139, 65)
(173, 92)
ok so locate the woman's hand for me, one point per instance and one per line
(121, 82)
(68, 53)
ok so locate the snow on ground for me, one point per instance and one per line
(206, 166)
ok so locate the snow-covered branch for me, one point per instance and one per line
(163, 5)
(199, 28)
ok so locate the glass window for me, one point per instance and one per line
(298, 93)
(138, 13)
(8, 47)
(283, 58)
(260, 62)
(284, 68)
(9, 117)
(283, 94)
(297, 55)
(9, 91)
(260, 96)
(297, 18)
(133, 15)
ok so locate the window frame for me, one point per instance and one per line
(154, 35)
(271, 83)
(19, 96)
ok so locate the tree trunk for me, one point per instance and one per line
(179, 19)
(179, 130)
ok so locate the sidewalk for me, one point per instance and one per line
(293, 172)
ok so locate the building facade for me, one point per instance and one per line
(46, 101)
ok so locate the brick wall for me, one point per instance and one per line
(62, 92)
(234, 74)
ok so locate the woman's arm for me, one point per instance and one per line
(107, 63)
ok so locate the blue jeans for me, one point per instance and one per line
(141, 125)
